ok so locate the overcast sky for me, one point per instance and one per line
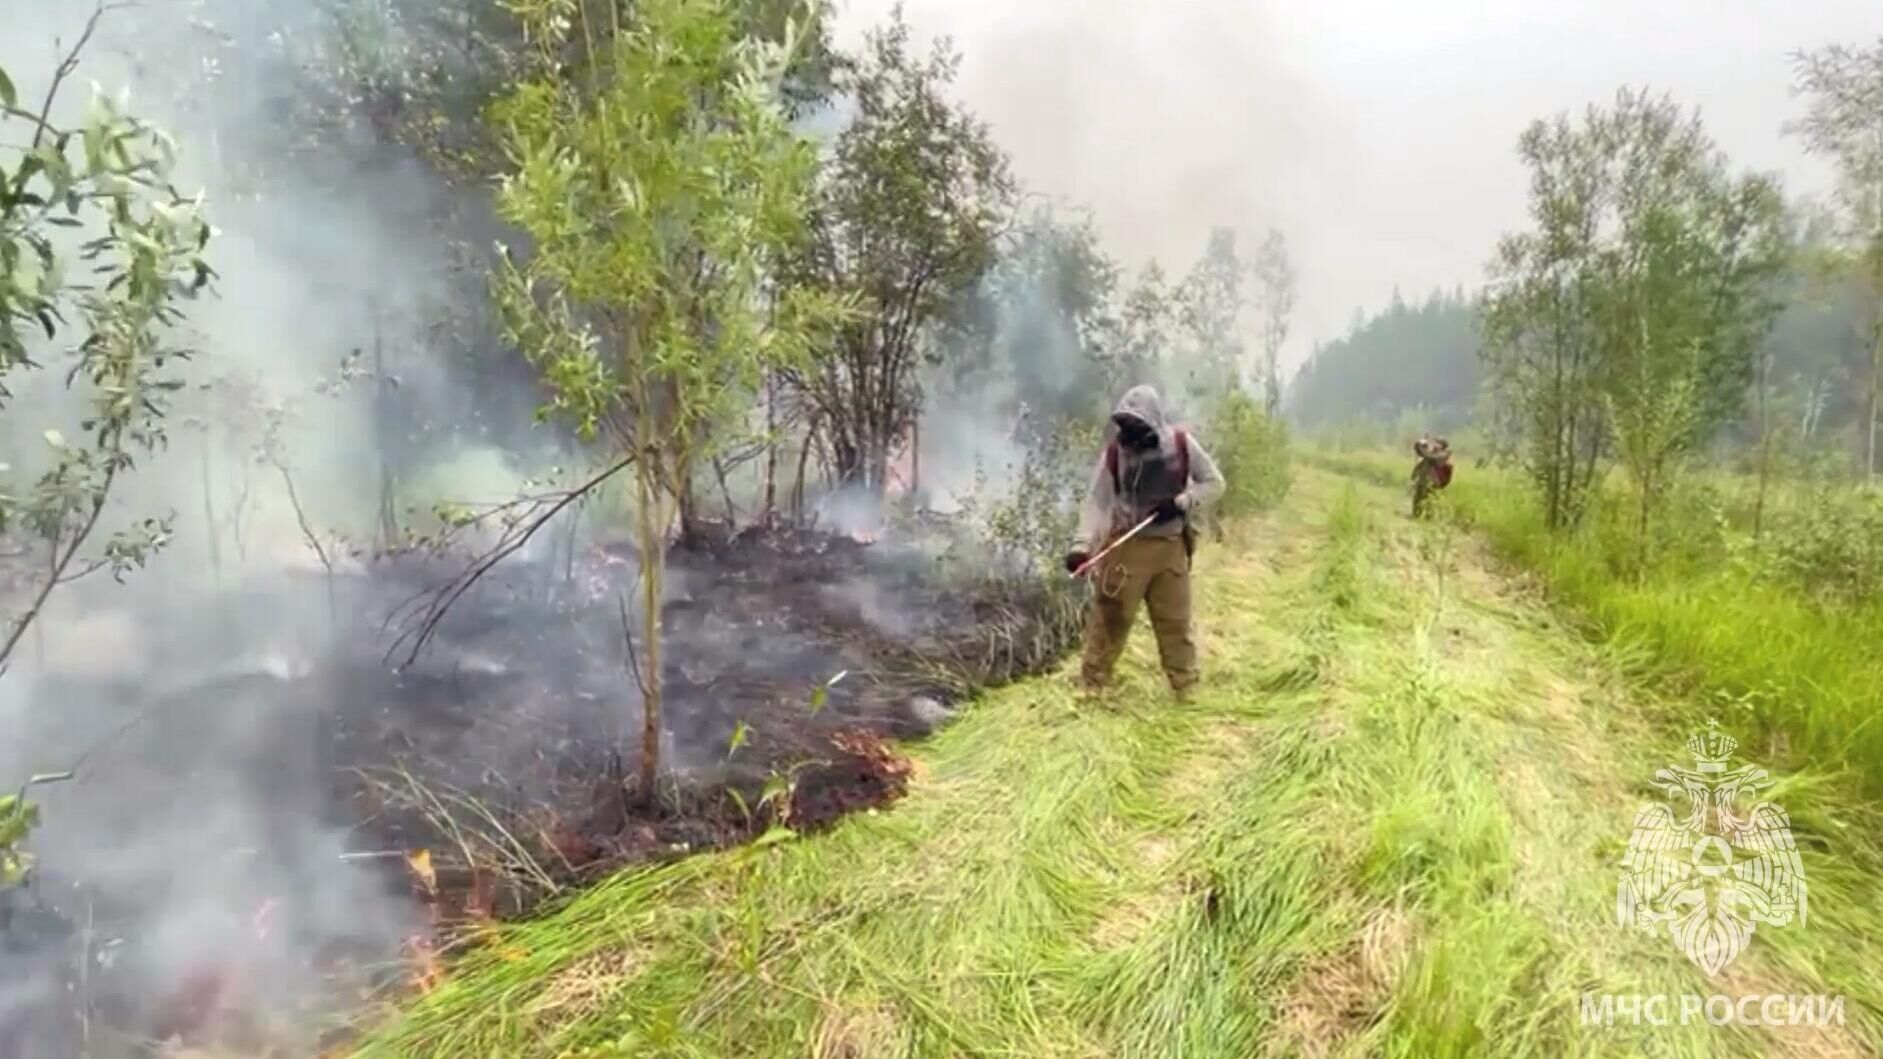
(1378, 134)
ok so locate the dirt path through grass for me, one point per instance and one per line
(1386, 827)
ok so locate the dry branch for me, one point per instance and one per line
(418, 617)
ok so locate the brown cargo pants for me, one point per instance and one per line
(1155, 572)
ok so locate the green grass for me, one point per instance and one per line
(1807, 675)
(1387, 826)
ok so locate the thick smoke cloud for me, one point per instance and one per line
(1380, 136)
(199, 824)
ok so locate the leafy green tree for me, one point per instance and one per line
(659, 183)
(1844, 120)
(907, 219)
(1251, 449)
(1685, 291)
(1539, 351)
(1628, 320)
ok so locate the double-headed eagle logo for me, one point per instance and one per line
(1713, 861)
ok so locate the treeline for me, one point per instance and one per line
(1418, 358)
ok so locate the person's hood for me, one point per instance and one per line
(1143, 402)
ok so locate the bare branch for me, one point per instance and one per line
(420, 615)
(66, 66)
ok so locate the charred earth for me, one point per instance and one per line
(272, 823)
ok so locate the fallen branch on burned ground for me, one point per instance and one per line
(418, 618)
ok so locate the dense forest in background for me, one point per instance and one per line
(1408, 358)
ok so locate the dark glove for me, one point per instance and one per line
(1074, 560)
(1167, 510)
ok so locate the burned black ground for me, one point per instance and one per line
(250, 808)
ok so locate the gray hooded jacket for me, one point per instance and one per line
(1145, 479)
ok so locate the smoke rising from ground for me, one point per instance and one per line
(181, 695)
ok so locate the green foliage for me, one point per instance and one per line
(1029, 526)
(1626, 320)
(95, 198)
(1830, 544)
(656, 196)
(18, 817)
(1844, 121)
(660, 184)
(1251, 449)
(904, 222)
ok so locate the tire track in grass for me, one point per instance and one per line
(1512, 767)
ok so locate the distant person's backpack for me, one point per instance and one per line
(1442, 473)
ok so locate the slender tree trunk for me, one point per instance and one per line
(915, 458)
(210, 533)
(725, 493)
(388, 505)
(770, 504)
(1765, 448)
(1641, 525)
(1870, 404)
(687, 504)
(797, 489)
(653, 542)
(568, 552)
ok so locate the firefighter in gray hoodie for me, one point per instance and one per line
(1148, 467)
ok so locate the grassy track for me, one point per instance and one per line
(1386, 827)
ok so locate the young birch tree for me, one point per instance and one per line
(1684, 289)
(1844, 120)
(1626, 322)
(1538, 354)
(1275, 278)
(659, 182)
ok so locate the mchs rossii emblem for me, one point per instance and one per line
(1713, 861)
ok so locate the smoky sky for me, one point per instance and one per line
(1379, 135)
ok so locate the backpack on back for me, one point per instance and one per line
(1182, 462)
(1181, 465)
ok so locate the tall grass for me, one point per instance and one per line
(1354, 841)
(1729, 636)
